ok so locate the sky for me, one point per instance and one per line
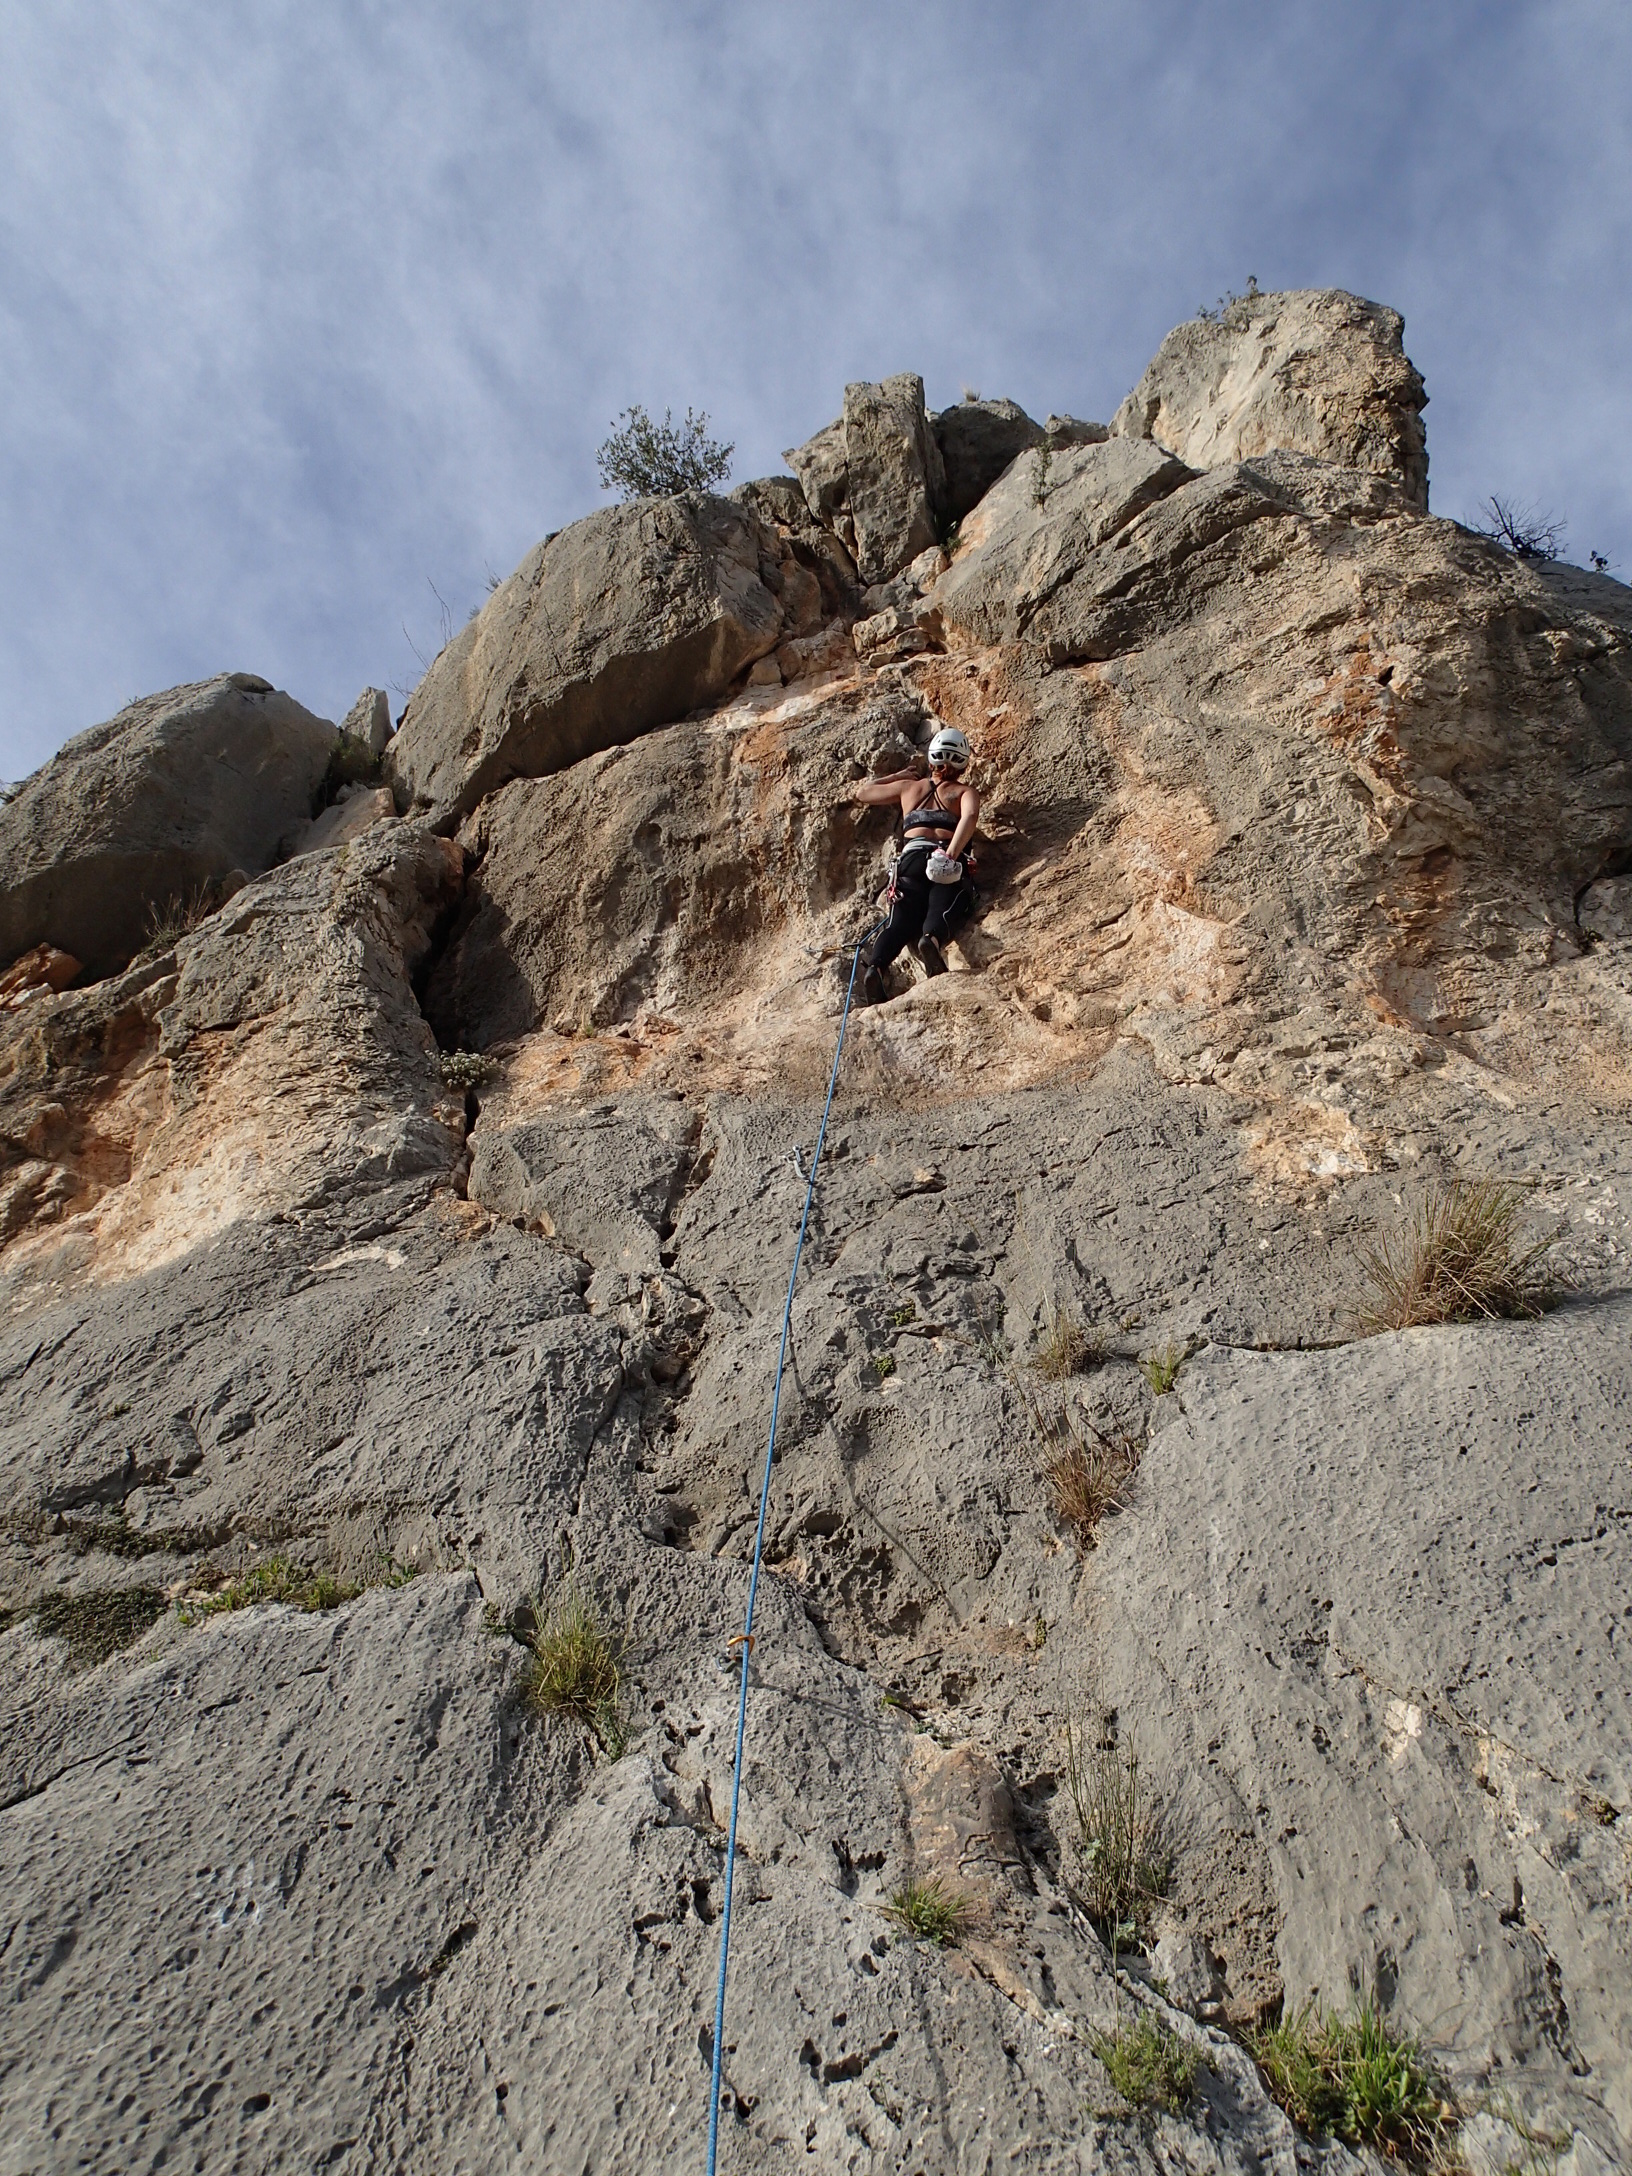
(313, 313)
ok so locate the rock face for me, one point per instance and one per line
(1314, 371)
(1304, 846)
(626, 620)
(170, 796)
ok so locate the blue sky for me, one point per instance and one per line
(306, 306)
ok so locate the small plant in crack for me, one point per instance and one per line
(931, 1910)
(576, 1669)
(902, 1315)
(176, 918)
(1353, 2077)
(1161, 1369)
(1066, 1347)
(1148, 2065)
(883, 1364)
(1088, 1473)
(1120, 1862)
(464, 1069)
(279, 1579)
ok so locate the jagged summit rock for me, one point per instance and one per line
(175, 793)
(978, 439)
(1311, 371)
(627, 619)
(876, 476)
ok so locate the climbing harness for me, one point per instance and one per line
(745, 1638)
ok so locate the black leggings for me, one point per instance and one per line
(921, 909)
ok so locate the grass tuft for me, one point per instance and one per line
(1066, 1348)
(1351, 2077)
(178, 917)
(1121, 1862)
(1161, 1369)
(97, 1625)
(575, 1671)
(1087, 1474)
(277, 1580)
(931, 1910)
(1148, 2065)
(1458, 1260)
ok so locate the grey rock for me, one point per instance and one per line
(1036, 529)
(1189, 1971)
(603, 1180)
(778, 500)
(978, 439)
(896, 479)
(627, 620)
(167, 798)
(1314, 371)
(822, 466)
(357, 810)
(369, 720)
(1073, 431)
(876, 476)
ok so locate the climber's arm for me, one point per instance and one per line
(880, 792)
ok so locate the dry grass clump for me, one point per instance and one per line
(1122, 1864)
(1087, 1472)
(1458, 1260)
(1353, 2078)
(1066, 1348)
(178, 917)
(575, 1670)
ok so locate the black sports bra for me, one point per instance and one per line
(932, 817)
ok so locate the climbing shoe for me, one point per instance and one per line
(874, 989)
(930, 953)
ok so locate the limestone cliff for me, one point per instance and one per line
(1307, 882)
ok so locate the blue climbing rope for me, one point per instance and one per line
(747, 1635)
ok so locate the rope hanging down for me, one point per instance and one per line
(746, 1637)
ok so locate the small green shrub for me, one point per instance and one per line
(575, 1671)
(1458, 1260)
(351, 763)
(464, 1069)
(643, 459)
(1121, 1864)
(97, 1625)
(1161, 1369)
(901, 1316)
(883, 1364)
(931, 1910)
(1148, 2065)
(277, 1580)
(1351, 2077)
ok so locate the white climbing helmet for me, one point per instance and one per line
(949, 747)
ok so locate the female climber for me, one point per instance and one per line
(933, 887)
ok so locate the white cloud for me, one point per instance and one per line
(303, 308)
